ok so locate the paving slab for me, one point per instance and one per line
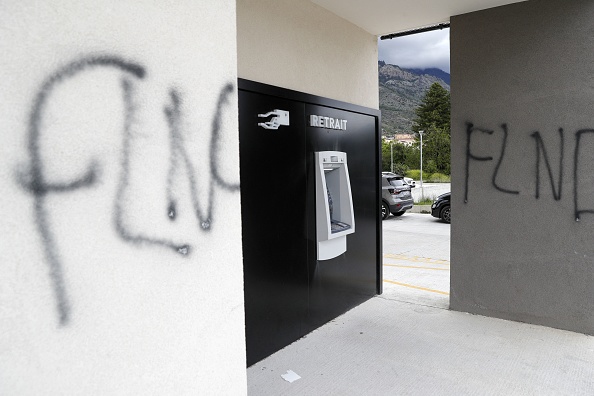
(387, 347)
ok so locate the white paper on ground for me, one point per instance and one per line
(290, 376)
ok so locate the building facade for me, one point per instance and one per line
(121, 243)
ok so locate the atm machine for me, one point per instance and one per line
(334, 204)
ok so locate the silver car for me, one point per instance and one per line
(396, 196)
(410, 182)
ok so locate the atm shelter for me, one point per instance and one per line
(310, 212)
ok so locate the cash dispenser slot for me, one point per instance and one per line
(334, 204)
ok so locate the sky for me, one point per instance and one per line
(423, 50)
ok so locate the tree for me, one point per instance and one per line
(386, 156)
(401, 153)
(436, 149)
(434, 110)
(433, 118)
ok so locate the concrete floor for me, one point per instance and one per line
(406, 341)
(387, 347)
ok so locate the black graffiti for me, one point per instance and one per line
(180, 157)
(119, 219)
(35, 181)
(503, 147)
(541, 154)
(470, 129)
(541, 149)
(578, 137)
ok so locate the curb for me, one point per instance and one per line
(426, 209)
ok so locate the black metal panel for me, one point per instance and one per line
(288, 293)
(272, 171)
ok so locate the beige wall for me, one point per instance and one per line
(298, 45)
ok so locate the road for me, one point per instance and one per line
(417, 260)
(429, 190)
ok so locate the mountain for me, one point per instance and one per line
(445, 77)
(401, 92)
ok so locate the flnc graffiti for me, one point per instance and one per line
(36, 182)
(542, 159)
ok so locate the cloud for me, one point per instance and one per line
(423, 50)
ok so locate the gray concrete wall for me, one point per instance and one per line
(522, 86)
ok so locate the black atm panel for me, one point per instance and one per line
(272, 171)
(288, 291)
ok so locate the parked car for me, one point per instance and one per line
(441, 207)
(410, 182)
(407, 180)
(396, 196)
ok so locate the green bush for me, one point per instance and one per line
(400, 169)
(428, 177)
(414, 174)
(438, 178)
(429, 167)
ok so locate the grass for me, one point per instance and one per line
(424, 202)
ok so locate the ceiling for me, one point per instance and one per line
(381, 17)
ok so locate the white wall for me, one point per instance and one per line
(301, 46)
(94, 298)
